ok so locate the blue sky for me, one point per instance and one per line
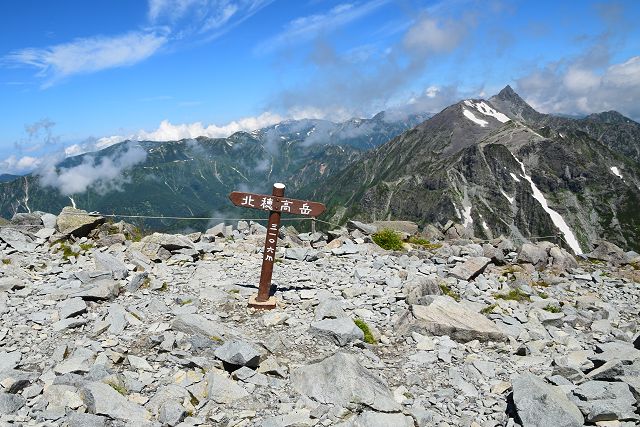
(76, 75)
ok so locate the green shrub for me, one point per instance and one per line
(488, 309)
(368, 336)
(415, 240)
(6, 261)
(388, 239)
(514, 295)
(449, 292)
(552, 308)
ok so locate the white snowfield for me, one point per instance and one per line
(557, 219)
(515, 178)
(485, 109)
(469, 115)
(467, 216)
(616, 171)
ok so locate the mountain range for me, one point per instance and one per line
(496, 165)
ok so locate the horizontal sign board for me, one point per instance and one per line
(276, 204)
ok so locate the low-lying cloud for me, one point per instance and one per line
(168, 131)
(103, 174)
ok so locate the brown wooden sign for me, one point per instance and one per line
(276, 204)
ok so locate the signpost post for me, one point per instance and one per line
(276, 204)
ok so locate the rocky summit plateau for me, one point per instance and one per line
(102, 326)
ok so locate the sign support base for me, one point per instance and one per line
(269, 304)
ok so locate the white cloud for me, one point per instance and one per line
(168, 131)
(430, 35)
(19, 165)
(101, 174)
(307, 27)
(89, 54)
(573, 88)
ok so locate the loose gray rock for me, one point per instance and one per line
(9, 360)
(539, 404)
(71, 307)
(342, 331)
(10, 403)
(171, 413)
(18, 240)
(238, 353)
(108, 262)
(380, 419)
(340, 380)
(444, 316)
(196, 324)
(419, 287)
(100, 290)
(330, 308)
(470, 268)
(222, 389)
(606, 401)
(76, 419)
(102, 399)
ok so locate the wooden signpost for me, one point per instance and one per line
(276, 204)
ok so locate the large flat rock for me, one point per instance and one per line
(444, 316)
(340, 379)
(77, 222)
(470, 268)
(539, 404)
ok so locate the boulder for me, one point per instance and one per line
(606, 401)
(77, 222)
(196, 324)
(533, 254)
(431, 233)
(444, 316)
(342, 331)
(102, 399)
(365, 228)
(222, 389)
(379, 419)
(17, 239)
(470, 268)
(540, 404)
(10, 403)
(107, 262)
(561, 260)
(238, 353)
(341, 380)
(418, 287)
(170, 242)
(103, 289)
(606, 251)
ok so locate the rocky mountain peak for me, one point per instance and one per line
(511, 104)
(611, 117)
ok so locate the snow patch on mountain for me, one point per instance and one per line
(510, 199)
(515, 178)
(616, 171)
(557, 219)
(469, 115)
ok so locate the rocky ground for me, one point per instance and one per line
(100, 327)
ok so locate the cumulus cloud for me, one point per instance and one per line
(167, 131)
(89, 55)
(19, 165)
(102, 174)
(571, 88)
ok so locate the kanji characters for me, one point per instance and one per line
(305, 209)
(267, 203)
(248, 201)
